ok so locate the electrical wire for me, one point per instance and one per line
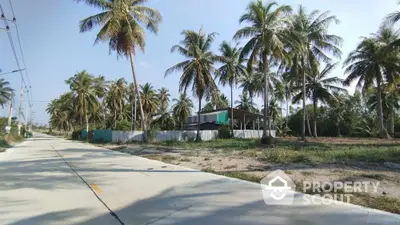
(20, 47)
(3, 17)
(12, 44)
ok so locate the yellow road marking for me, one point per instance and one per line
(96, 189)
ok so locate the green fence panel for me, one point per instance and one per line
(102, 135)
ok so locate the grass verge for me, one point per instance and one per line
(383, 203)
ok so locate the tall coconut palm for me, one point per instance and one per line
(275, 111)
(5, 92)
(216, 100)
(311, 44)
(132, 99)
(163, 95)
(197, 68)
(393, 90)
(121, 22)
(182, 108)
(232, 69)
(320, 88)
(386, 36)
(61, 111)
(115, 100)
(392, 18)
(370, 64)
(150, 101)
(82, 85)
(267, 33)
(245, 103)
(248, 84)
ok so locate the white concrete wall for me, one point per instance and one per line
(176, 135)
(251, 133)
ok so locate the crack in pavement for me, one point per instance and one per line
(169, 214)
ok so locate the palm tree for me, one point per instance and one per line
(208, 107)
(182, 108)
(6, 92)
(120, 21)
(82, 85)
(386, 36)
(163, 95)
(318, 88)
(248, 84)
(115, 100)
(392, 18)
(370, 63)
(338, 108)
(231, 70)
(266, 30)
(197, 68)
(132, 99)
(311, 43)
(223, 102)
(274, 110)
(245, 103)
(216, 100)
(61, 111)
(150, 101)
(393, 90)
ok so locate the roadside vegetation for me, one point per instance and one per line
(297, 64)
(6, 140)
(322, 159)
(287, 59)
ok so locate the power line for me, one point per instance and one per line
(20, 47)
(12, 43)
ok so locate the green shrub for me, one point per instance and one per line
(268, 140)
(224, 132)
(152, 133)
(76, 134)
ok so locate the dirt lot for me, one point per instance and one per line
(325, 159)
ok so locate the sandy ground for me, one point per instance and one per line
(248, 161)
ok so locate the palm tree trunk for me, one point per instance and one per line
(392, 115)
(138, 94)
(287, 111)
(315, 117)
(231, 110)
(266, 112)
(133, 121)
(86, 119)
(303, 124)
(383, 131)
(198, 137)
(134, 116)
(308, 124)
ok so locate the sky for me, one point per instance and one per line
(54, 50)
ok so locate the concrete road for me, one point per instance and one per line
(47, 180)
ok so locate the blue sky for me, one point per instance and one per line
(55, 50)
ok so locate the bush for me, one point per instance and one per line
(224, 132)
(76, 135)
(268, 140)
(152, 133)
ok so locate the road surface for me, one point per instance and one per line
(48, 180)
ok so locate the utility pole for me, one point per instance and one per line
(27, 116)
(20, 108)
(10, 112)
(8, 127)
